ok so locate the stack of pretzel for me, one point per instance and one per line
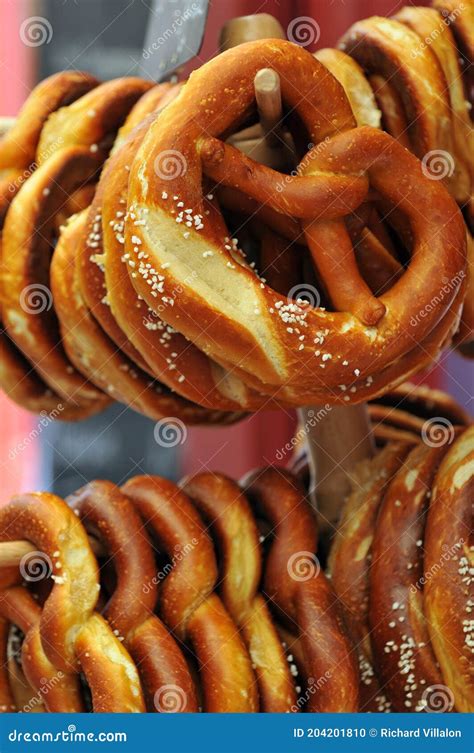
(179, 278)
(209, 596)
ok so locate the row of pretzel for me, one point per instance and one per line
(210, 595)
(148, 298)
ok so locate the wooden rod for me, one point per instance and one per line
(13, 552)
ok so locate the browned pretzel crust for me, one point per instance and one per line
(449, 593)
(305, 601)
(276, 349)
(72, 635)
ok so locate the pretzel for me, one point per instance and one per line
(22, 385)
(72, 636)
(403, 655)
(448, 594)
(129, 611)
(93, 120)
(18, 146)
(385, 47)
(306, 603)
(348, 563)
(188, 605)
(58, 691)
(96, 356)
(278, 361)
(426, 22)
(358, 90)
(461, 19)
(224, 507)
(169, 355)
(90, 269)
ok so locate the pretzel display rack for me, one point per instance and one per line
(281, 230)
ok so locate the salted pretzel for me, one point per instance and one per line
(349, 558)
(225, 509)
(405, 661)
(93, 120)
(271, 358)
(188, 604)
(130, 610)
(461, 20)
(305, 601)
(167, 353)
(95, 355)
(71, 634)
(393, 51)
(449, 593)
(17, 161)
(19, 144)
(27, 238)
(57, 691)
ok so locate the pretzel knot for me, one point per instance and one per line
(281, 346)
(68, 636)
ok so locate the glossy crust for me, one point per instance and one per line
(188, 605)
(269, 357)
(130, 610)
(304, 598)
(449, 593)
(72, 636)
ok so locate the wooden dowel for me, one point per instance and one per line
(269, 104)
(338, 437)
(13, 552)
